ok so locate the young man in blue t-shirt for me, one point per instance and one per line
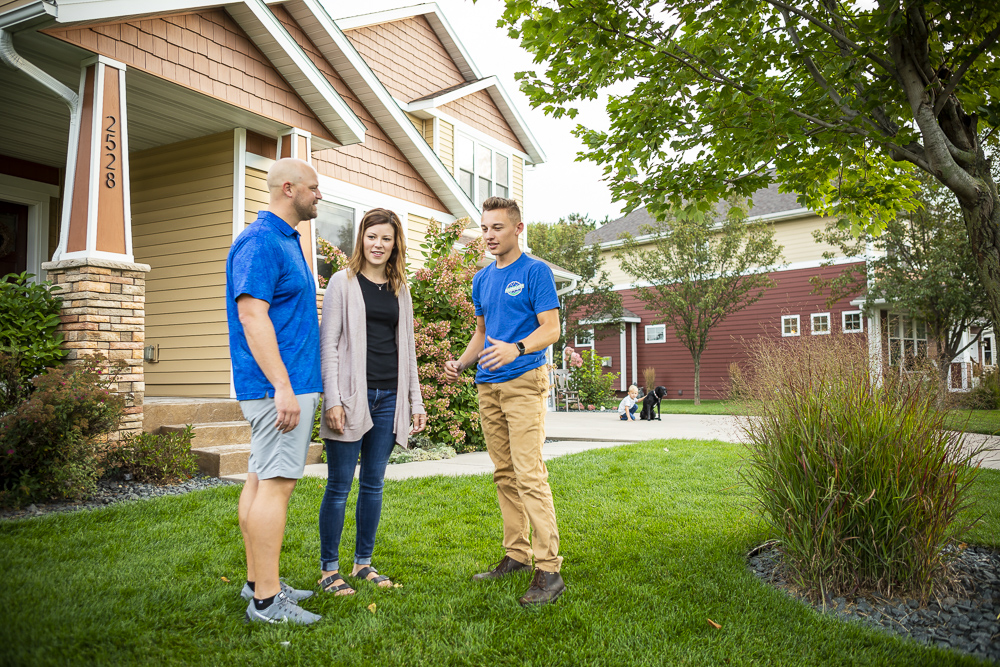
(517, 318)
(274, 346)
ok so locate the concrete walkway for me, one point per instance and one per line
(576, 432)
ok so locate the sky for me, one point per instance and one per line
(561, 185)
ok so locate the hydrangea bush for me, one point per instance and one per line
(444, 321)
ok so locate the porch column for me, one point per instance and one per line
(103, 289)
(298, 144)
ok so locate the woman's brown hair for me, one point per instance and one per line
(395, 267)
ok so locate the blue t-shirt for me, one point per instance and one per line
(510, 299)
(266, 262)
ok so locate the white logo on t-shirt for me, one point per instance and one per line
(514, 288)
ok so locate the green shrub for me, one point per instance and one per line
(48, 443)
(855, 474)
(986, 395)
(591, 381)
(422, 448)
(444, 321)
(157, 458)
(29, 315)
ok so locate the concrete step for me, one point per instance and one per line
(213, 433)
(158, 411)
(225, 460)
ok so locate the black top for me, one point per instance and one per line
(382, 308)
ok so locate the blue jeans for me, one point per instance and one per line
(374, 449)
(631, 411)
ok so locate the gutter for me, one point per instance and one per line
(15, 19)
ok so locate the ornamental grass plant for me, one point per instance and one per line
(855, 473)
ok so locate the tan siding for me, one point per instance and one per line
(255, 193)
(479, 111)
(182, 227)
(417, 123)
(446, 144)
(797, 239)
(407, 57)
(377, 164)
(517, 182)
(614, 269)
(7, 5)
(416, 232)
(205, 51)
(429, 132)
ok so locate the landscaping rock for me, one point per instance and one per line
(967, 624)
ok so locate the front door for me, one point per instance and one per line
(13, 238)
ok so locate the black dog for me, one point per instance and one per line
(653, 398)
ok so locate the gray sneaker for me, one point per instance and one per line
(296, 595)
(282, 610)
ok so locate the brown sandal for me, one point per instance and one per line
(367, 570)
(330, 585)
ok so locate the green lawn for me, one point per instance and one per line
(974, 421)
(653, 541)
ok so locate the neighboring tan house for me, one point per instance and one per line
(788, 309)
(135, 138)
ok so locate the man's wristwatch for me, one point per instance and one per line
(520, 348)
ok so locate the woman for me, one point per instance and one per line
(370, 389)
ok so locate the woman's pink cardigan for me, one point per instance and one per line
(344, 346)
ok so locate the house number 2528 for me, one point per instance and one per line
(110, 144)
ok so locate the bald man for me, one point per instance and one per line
(274, 345)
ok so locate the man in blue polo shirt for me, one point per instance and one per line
(274, 346)
(517, 318)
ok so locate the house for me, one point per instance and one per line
(788, 309)
(135, 139)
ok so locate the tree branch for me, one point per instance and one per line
(956, 78)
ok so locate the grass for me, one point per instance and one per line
(974, 421)
(653, 542)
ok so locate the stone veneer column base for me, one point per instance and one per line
(104, 313)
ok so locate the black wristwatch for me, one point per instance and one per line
(520, 348)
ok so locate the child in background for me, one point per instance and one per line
(628, 406)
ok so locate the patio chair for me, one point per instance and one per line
(561, 382)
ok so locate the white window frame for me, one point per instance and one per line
(577, 343)
(798, 326)
(662, 327)
(812, 324)
(991, 339)
(902, 336)
(495, 149)
(843, 321)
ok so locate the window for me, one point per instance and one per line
(819, 323)
(584, 339)
(481, 171)
(988, 359)
(656, 333)
(789, 325)
(335, 224)
(907, 341)
(852, 322)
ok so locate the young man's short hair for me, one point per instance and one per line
(509, 205)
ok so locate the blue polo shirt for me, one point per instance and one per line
(266, 262)
(510, 299)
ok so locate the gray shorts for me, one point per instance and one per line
(273, 453)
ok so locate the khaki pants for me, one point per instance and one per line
(513, 417)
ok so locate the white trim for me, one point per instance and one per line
(126, 171)
(239, 180)
(95, 254)
(450, 96)
(798, 326)
(812, 324)
(646, 340)
(577, 343)
(104, 60)
(96, 116)
(436, 134)
(341, 54)
(71, 11)
(494, 151)
(69, 176)
(384, 16)
(843, 321)
(624, 319)
(35, 196)
(480, 136)
(621, 337)
(635, 361)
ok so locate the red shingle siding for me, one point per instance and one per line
(377, 164)
(207, 52)
(479, 111)
(407, 57)
(728, 344)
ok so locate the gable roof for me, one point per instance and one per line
(267, 34)
(460, 56)
(768, 204)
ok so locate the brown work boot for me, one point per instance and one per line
(545, 587)
(507, 565)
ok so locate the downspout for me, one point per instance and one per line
(19, 18)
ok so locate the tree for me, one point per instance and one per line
(922, 264)
(701, 272)
(593, 298)
(834, 99)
